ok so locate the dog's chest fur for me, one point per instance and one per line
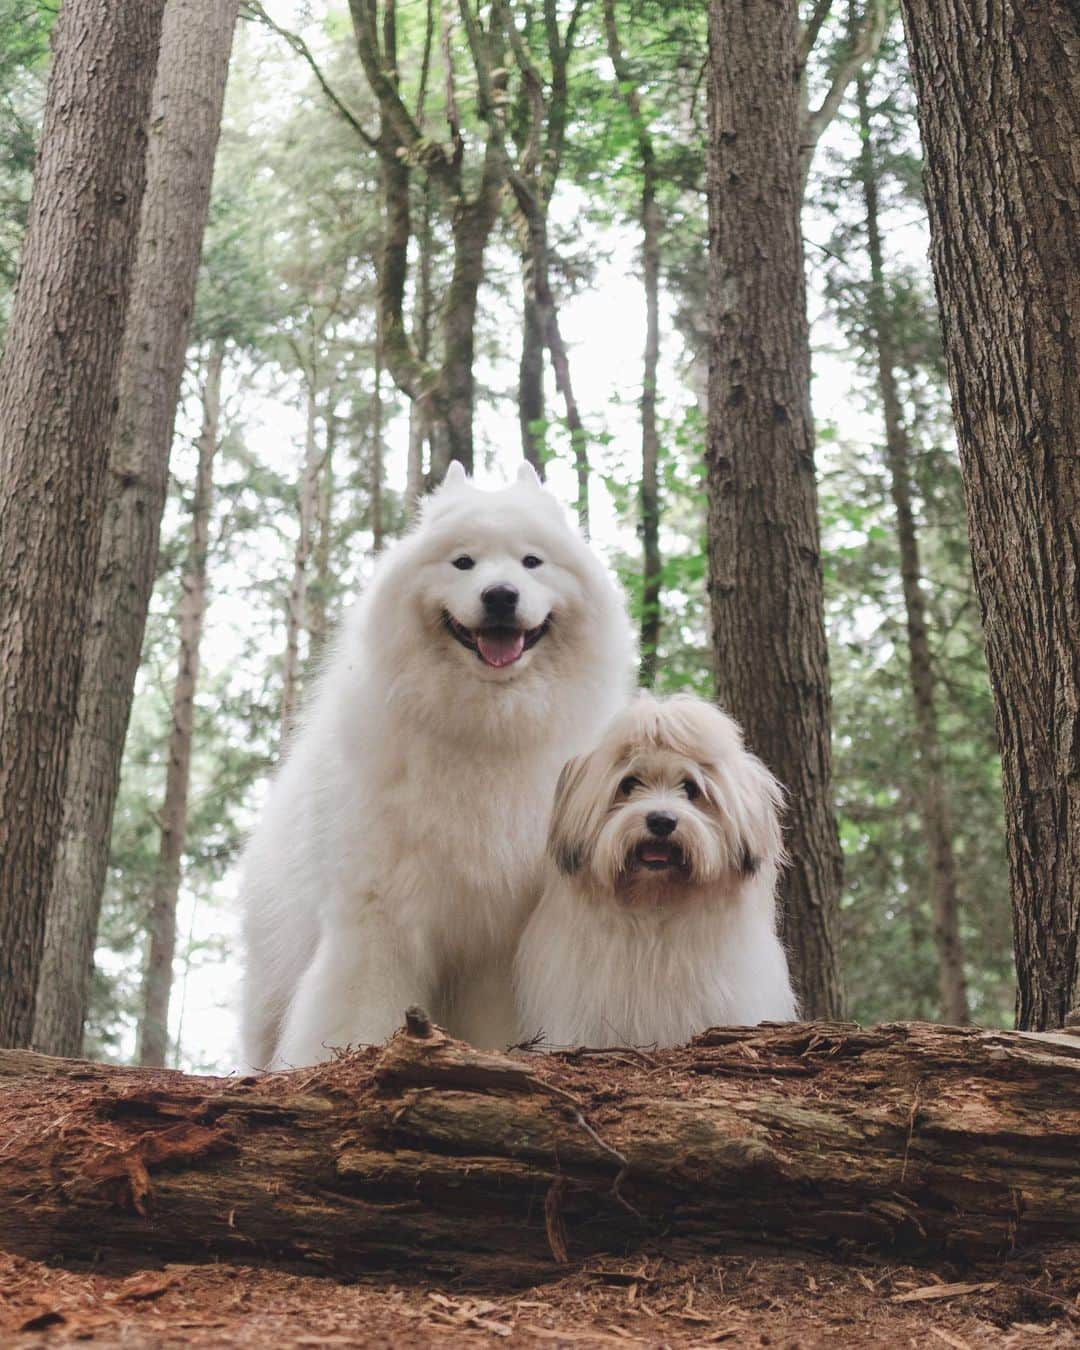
(455, 841)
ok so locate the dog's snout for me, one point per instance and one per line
(661, 823)
(500, 600)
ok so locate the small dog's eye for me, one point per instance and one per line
(531, 560)
(691, 789)
(463, 562)
(628, 785)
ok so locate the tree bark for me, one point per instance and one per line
(296, 606)
(1000, 132)
(58, 383)
(157, 978)
(765, 582)
(531, 373)
(377, 523)
(318, 597)
(934, 807)
(185, 120)
(431, 1156)
(650, 439)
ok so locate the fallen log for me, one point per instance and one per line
(907, 1139)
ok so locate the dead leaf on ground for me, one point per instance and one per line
(949, 1339)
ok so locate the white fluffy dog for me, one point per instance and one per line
(401, 848)
(658, 918)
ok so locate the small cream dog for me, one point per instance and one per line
(659, 915)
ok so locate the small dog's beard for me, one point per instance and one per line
(708, 854)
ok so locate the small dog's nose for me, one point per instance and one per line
(661, 823)
(500, 600)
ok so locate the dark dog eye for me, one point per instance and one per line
(531, 560)
(691, 789)
(628, 785)
(463, 562)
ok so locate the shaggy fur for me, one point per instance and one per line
(400, 850)
(645, 937)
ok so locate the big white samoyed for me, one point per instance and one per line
(399, 853)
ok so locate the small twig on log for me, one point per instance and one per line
(554, 1223)
(911, 1131)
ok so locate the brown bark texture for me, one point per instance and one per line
(999, 109)
(765, 582)
(158, 975)
(296, 608)
(322, 582)
(907, 1140)
(58, 382)
(934, 806)
(185, 119)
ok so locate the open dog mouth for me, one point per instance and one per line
(659, 855)
(496, 647)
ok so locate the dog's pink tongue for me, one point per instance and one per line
(500, 646)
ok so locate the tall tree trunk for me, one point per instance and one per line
(652, 563)
(420, 408)
(650, 440)
(765, 582)
(414, 471)
(296, 606)
(318, 607)
(933, 796)
(185, 120)
(157, 980)
(1000, 133)
(58, 384)
(377, 522)
(471, 227)
(531, 375)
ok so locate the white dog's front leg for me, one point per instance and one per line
(354, 992)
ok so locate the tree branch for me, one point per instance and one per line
(254, 10)
(863, 44)
(811, 29)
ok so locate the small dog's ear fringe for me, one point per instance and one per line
(567, 858)
(455, 474)
(749, 865)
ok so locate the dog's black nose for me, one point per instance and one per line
(661, 823)
(500, 601)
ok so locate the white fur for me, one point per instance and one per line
(615, 954)
(399, 852)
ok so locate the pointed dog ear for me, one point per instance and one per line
(527, 475)
(565, 842)
(455, 475)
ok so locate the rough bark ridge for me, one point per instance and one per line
(907, 1139)
(765, 583)
(934, 796)
(58, 381)
(185, 120)
(999, 108)
(157, 979)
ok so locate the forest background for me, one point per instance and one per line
(297, 457)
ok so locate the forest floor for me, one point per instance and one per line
(783, 1301)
